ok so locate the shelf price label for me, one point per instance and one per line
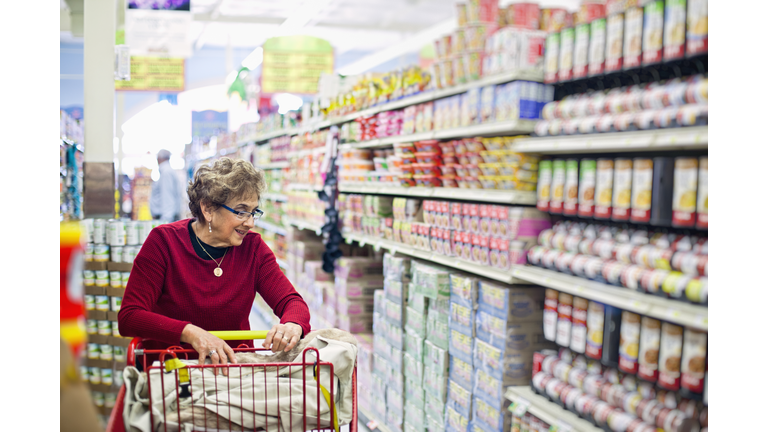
(372, 425)
(520, 407)
(377, 246)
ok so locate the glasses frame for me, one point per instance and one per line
(256, 214)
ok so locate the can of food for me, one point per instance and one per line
(551, 54)
(564, 319)
(89, 302)
(89, 251)
(694, 361)
(630, 342)
(116, 233)
(132, 232)
(116, 254)
(565, 67)
(597, 30)
(89, 278)
(129, 254)
(115, 279)
(93, 351)
(579, 329)
(101, 302)
(595, 324)
(106, 352)
(115, 330)
(99, 231)
(114, 303)
(648, 359)
(642, 190)
(91, 327)
(106, 375)
(614, 42)
(101, 253)
(604, 189)
(110, 399)
(124, 277)
(117, 377)
(119, 353)
(670, 356)
(84, 373)
(571, 199)
(558, 186)
(674, 29)
(102, 278)
(550, 314)
(698, 27)
(105, 327)
(587, 180)
(94, 373)
(581, 51)
(544, 186)
(702, 205)
(144, 228)
(98, 398)
(653, 32)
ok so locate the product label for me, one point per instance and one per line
(552, 54)
(544, 186)
(694, 360)
(614, 43)
(604, 189)
(670, 356)
(461, 342)
(630, 342)
(674, 29)
(595, 326)
(488, 384)
(550, 319)
(571, 202)
(566, 54)
(564, 324)
(579, 330)
(597, 46)
(642, 186)
(622, 190)
(461, 370)
(648, 359)
(633, 37)
(698, 30)
(684, 197)
(702, 206)
(653, 32)
(558, 186)
(587, 180)
(581, 51)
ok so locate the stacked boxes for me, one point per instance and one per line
(463, 309)
(350, 305)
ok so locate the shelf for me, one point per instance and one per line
(370, 421)
(528, 401)
(270, 227)
(304, 187)
(673, 311)
(275, 197)
(306, 152)
(513, 127)
(267, 136)
(469, 267)
(274, 165)
(304, 225)
(684, 138)
(479, 195)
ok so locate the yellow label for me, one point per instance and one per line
(154, 74)
(462, 342)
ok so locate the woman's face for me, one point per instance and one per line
(227, 229)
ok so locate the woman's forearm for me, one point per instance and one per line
(137, 322)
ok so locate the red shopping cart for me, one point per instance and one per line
(172, 372)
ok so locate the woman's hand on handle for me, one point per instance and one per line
(283, 337)
(208, 345)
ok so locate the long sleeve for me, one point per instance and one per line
(278, 292)
(166, 194)
(144, 288)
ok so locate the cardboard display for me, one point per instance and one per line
(119, 266)
(98, 339)
(96, 315)
(119, 341)
(94, 266)
(94, 290)
(114, 292)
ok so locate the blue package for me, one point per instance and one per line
(508, 333)
(460, 345)
(464, 290)
(455, 421)
(488, 388)
(460, 371)
(511, 366)
(462, 318)
(459, 398)
(490, 418)
(525, 303)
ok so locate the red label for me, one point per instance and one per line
(538, 358)
(683, 219)
(669, 382)
(702, 220)
(693, 383)
(550, 77)
(648, 373)
(542, 205)
(620, 214)
(674, 52)
(640, 215)
(566, 75)
(580, 71)
(550, 304)
(594, 352)
(556, 207)
(627, 365)
(631, 62)
(613, 65)
(651, 57)
(602, 212)
(696, 46)
(570, 209)
(586, 210)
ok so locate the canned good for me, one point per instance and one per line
(102, 303)
(117, 378)
(114, 303)
(125, 276)
(106, 376)
(98, 398)
(93, 351)
(115, 331)
(89, 252)
(89, 301)
(119, 353)
(116, 254)
(105, 328)
(144, 228)
(132, 233)
(84, 373)
(106, 352)
(101, 253)
(110, 399)
(116, 233)
(91, 327)
(102, 278)
(94, 375)
(89, 278)
(129, 254)
(99, 231)
(115, 279)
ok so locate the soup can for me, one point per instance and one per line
(118, 378)
(89, 249)
(93, 351)
(91, 327)
(86, 226)
(89, 302)
(116, 233)
(114, 303)
(98, 397)
(89, 278)
(106, 352)
(110, 399)
(129, 254)
(119, 353)
(125, 276)
(94, 374)
(116, 254)
(105, 328)
(115, 330)
(102, 302)
(115, 279)
(99, 231)
(144, 228)
(84, 373)
(102, 278)
(131, 233)
(101, 253)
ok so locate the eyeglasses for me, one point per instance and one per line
(243, 216)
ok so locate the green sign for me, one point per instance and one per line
(293, 64)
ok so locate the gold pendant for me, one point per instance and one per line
(218, 271)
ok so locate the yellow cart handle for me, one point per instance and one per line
(240, 334)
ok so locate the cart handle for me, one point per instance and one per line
(240, 334)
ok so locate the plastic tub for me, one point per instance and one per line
(380, 164)
(448, 169)
(426, 169)
(449, 181)
(429, 157)
(490, 169)
(428, 146)
(427, 180)
(408, 159)
(407, 169)
(489, 182)
(404, 148)
(406, 180)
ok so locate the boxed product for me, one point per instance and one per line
(358, 287)
(462, 319)
(395, 401)
(435, 408)
(435, 424)
(314, 272)
(394, 312)
(397, 267)
(460, 345)
(435, 384)
(394, 335)
(354, 306)
(417, 301)
(436, 358)
(460, 371)
(459, 399)
(414, 393)
(358, 267)
(455, 421)
(413, 369)
(379, 305)
(431, 281)
(413, 344)
(489, 388)
(416, 321)
(523, 303)
(512, 366)
(414, 418)
(379, 404)
(381, 366)
(494, 419)
(396, 291)
(355, 323)
(464, 290)
(508, 332)
(437, 328)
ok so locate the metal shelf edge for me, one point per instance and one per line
(548, 411)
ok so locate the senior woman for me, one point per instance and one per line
(202, 274)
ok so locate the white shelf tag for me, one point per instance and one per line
(372, 425)
(563, 426)
(520, 407)
(348, 240)
(377, 246)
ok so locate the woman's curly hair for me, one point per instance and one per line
(226, 179)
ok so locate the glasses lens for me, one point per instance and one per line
(258, 215)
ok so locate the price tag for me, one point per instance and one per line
(697, 139)
(672, 139)
(547, 280)
(673, 313)
(377, 246)
(372, 425)
(627, 142)
(563, 426)
(701, 320)
(362, 242)
(348, 240)
(580, 289)
(636, 304)
(393, 250)
(520, 407)
(588, 144)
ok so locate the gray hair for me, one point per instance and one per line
(225, 179)
(164, 154)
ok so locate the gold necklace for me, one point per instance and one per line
(217, 271)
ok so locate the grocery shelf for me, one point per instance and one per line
(512, 127)
(267, 136)
(306, 152)
(270, 227)
(528, 401)
(274, 165)
(673, 311)
(275, 197)
(469, 267)
(370, 421)
(304, 225)
(683, 138)
(303, 187)
(480, 195)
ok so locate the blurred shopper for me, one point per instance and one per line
(165, 203)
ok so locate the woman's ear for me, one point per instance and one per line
(207, 213)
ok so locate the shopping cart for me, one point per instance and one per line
(179, 374)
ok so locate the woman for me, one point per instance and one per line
(201, 274)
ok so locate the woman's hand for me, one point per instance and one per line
(283, 337)
(208, 345)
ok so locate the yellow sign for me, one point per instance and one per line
(154, 74)
(293, 64)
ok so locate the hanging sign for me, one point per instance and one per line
(154, 74)
(206, 124)
(293, 64)
(158, 28)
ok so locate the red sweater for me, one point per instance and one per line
(170, 287)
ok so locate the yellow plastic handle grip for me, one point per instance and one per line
(240, 334)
